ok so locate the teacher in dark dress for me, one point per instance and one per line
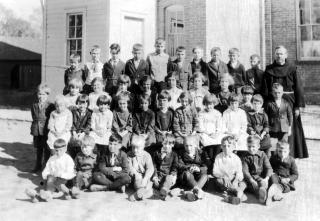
(283, 72)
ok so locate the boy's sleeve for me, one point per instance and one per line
(115, 124)
(245, 169)
(289, 114)
(174, 166)
(148, 69)
(151, 125)
(266, 123)
(293, 171)
(176, 124)
(87, 126)
(266, 165)
(181, 165)
(250, 128)
(125, 163)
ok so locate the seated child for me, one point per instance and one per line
(122, 119)
(98, 90)
(163, 117)
(146, 89)
(75, 86)
(144, 121)
(236, 70)
(198, 65)
(235, 123)
(192, 171)
(173, 90)
(256, 169)
(141, 169)
(73, 72)
(226, 81)
(81, 124)
(258, 124)
(101, 123)
(247, 93)
(92, 69)
(227, 172)
(198, 91)
(123, 85)
(113, 68)
(60, 122)
(185, 120)
(285, 172)
(165, 166)
(85, 162)
(280, 114)
(254, 76)
(40, 112)
(58, 171)
(113, 169)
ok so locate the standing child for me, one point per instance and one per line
(247, 93)
(172, 89)
(113, 68)
(40, 112)
(97, 86)
(73, 72)
(75, 86)
(223, 96)
(122, 119)
(147, 89)
(198, 91)
(141, 169)
(215, 68)
(136, 67)
(185, 120)
(92, 69)
(60, 122)
(254, 75)
(113, 168)
(181, 68)
(158, 63)
(123, 84)
(198, 65)
(236, 69)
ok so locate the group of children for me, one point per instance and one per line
(162, 124)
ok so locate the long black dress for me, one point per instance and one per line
(288, 77)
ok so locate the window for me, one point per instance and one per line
(309, 30)
(174, 28)
(74, 35)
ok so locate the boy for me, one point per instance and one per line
(40, 112)
(285, 172)
(247, 93)
(227, 172)
(113, 68)
(136, 67)
(158, 63)
(141, 169)
(236, 69)
(74, 71)
(198, 65)
(192, 171)
(181, 68)
(215, 68)
(254, 75)
(58, 171)
(258, 124)
(256, 169)
(198, 92)
(113, 169)
(280, 114)
(165, 164)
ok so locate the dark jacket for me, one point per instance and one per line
(183, 74)
(257, 122)
(134, 73)
(185, 120)
(163, 122)
(121, 160)
(214, 74)
(111, 74)
(185, 161)
(167, 165)
(238, 74)
(40, 118)
(202, 67)
(81, 123)
(254, 78)
(286, 168)
(143, 122)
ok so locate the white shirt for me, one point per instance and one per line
(235, 122)
(227, 166)
(62, 167)
(174, 93)
(93, 97)
(101, 122)
(93, 70)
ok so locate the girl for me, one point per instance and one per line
(124, 83)
(226, 81)
(74, 88)
(198, 92)
(146, 84)
(173, 90)
(98, 90)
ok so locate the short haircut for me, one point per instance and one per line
(193, 138)
(43, 88)
(124, 95)
(234, 51)
(283, 145)
(75, 57)
(144, 97)
(214, 49)
(137, 47)
(170, 75)
(103, 99)
(197, 47)
(160, 41)
(277, 86)
(256, 56)
(146, 78)
(186, 94)
(281, 47)
(169, 138)
(97, 79)
(136, 140)
(76, 83)
(210, 99)
(228, 77)
(88, 141)
(59, 143)
(115, 138)
(94, 48)
(115, 46)
(60, 99)
(164, 94)
(83, 98)
(180, 48)
(234, 98)
(252, 139)
(124, 79)
(230, 139)
(198, 74)
(257, 98)
(247, 89)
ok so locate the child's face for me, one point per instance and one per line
(253, 147)
(137, 54)
(123, 105)
(184, 102)
(114, 54)
(190, 146)
(146, 86)
(83, 106)
(97, 87)
(144, 104)
(163, 103)
(114, 147)
(167, 146)
(197, 54)
(277, 93)
(95, 54)
(60, 106)
(224, 84)
(256, 105)
(42, 97)
(123, 86)
(254, 62)
(209, 107)
(172, 82)
(137, 149)
(74, 90)
(160, 47)
(215, 55)
(197, 83)
(181, 55)
(234, 105)
(74, 64)
(281, 55)
(103, 107)
(233, 57)
(227, 147)
(283, 152)
(60, 151)
(247, 97)
(87, 150)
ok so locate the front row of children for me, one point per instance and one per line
(165, 169)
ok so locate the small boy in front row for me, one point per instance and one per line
(165, 166)
(59, 169)
(256, 169)
(227, 172)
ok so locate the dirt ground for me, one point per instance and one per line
(17, 158)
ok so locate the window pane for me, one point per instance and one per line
(79, 32)
(315, 3)
(305, 33)
(73, 45)
(71, 32)
(79, 20)
(79, 44)
(316, 16)
(304, 10)
(72, 20)
(315, 32)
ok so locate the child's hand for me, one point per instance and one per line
(117, 169)
(144, 182)
(264, 181)
(155, 180)
(285, 180)
(254, 184)
(252, 133)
